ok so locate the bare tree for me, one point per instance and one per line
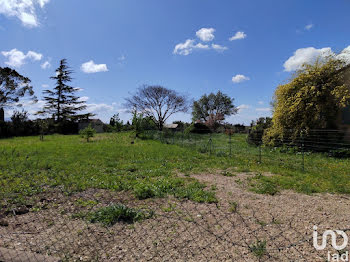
(157, 102)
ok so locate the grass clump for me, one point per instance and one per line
(227, 173)
(233, 207)
(178, 187)
(262, 185)
(259, 248)
(112, 214)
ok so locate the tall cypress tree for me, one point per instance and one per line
(61, 102)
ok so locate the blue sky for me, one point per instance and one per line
(243, 48)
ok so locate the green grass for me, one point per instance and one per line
(147, 168)
(259, 249)
(114, 213)
(321, 173)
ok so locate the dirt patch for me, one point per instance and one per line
(243, 226)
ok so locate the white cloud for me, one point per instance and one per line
(185, 48)
(308, 27)
(310, 54)
(45, 65)
(243, 107)
(45, 85)
(24, 10)
(238, 35)
(201, 46)
(239, 78)
(206, 34)
(263, 109)
(345, 55)
(17, 58)
(219, 48)
(91, 67)
(189, 46)
(304, 56)
(261, 102)
(83, 98)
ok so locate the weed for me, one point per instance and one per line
(110, 215)
(227, 173)
(221, 154)
(263, 185)
(171, 207)
(233, 207)
(259, 248)
(261, 223)
(85, 203)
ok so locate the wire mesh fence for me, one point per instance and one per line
(101, 226)
(292, 152)
(98, 224)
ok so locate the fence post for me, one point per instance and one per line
(302, 151)
(259, 153)
(230, 141)
(210, 142)
(182, 138)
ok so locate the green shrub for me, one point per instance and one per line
(257, 130)
(198, 128)
(87, 133)
(340, 153)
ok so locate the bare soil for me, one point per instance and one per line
(181, 230)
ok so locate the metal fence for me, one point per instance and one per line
(171, 230)
(294, 153)
(103, 225)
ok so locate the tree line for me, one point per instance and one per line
(62, 108)
(311, 99)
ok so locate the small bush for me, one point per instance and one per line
(198, 128)
(203, 149)
(144, 191)
(340, 153)
(114, 213)
(257, 130)
(87, 133)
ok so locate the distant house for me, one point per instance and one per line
(173, 127)
(343, 120)
(96, 124)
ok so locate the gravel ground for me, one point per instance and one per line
(181, 230)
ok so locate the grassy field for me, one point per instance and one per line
(125, 199)
(148, 168)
